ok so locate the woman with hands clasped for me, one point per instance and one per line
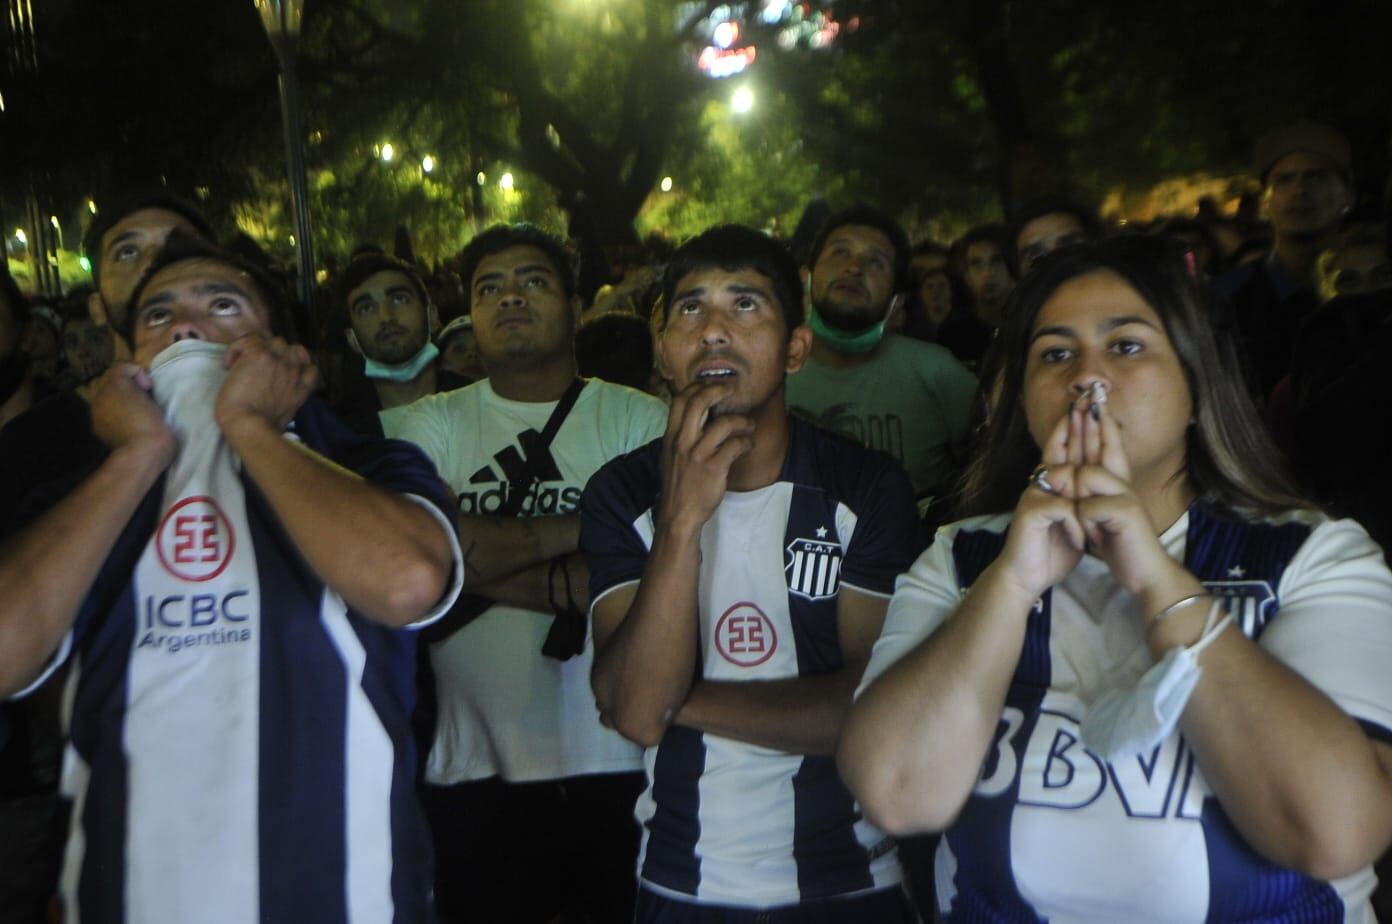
(1147, 683)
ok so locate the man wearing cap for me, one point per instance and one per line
(1306, 191)
(459, 350)
(389, 322)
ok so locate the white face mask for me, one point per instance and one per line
(402, 372)
(1124, 722)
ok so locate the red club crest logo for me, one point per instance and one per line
(744, 636)
(195, 540)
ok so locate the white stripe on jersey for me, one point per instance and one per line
(76, 775)
(368, 865)
(188, 855)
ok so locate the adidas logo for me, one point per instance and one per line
(511, 464)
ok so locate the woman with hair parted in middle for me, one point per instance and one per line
(1146, 682)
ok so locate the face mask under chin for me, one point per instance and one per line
(401, 372)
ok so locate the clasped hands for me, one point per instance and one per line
(1081, 500)
(268, 380)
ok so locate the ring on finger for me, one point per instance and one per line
(1040, 479)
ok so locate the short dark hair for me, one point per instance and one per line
(163, 200)
(994, 233)
(1053, 205)
(1230, 460)
(504, 237)
(615, 347)
(868, 217)
(362, 268)
(926, 248)
(736, 247)
(181, 247)
(9, 291)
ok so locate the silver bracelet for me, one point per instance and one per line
(1173, 608)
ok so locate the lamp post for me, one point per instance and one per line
(282, 21)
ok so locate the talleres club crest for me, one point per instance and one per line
(813, 566)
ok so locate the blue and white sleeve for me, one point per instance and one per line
(1334, 627)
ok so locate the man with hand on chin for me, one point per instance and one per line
(740, 567)
(909, 399)
(230, 584)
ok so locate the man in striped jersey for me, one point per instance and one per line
(230, 585)
(740, 571)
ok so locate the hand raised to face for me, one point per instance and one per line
(1083, 490)
(124, 414)
(697, 452)
(268, 380)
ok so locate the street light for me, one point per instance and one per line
(282, 21)
(743, 100)
(666, 184)
(388, 152)
(507, 182)
(428, 164)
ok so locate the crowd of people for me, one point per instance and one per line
(1038, 575)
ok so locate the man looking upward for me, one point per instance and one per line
(741, 566)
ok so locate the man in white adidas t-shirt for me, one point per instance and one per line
(530, 798)
(741, 569)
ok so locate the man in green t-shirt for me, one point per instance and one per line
(909, 399)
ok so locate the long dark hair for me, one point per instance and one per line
(1230, 461)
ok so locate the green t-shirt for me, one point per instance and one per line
(913, 401)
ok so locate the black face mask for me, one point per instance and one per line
(12, 371)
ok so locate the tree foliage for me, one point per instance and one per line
(944, 110)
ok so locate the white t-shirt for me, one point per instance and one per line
(1054, 830)
(504, 708)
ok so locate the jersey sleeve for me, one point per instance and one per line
(923, 599)
(401, 467)
(886, 533)
(615, 525)
(1334, 626)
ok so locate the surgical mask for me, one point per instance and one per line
(1125, 722)
(862, 341)
(403, 372)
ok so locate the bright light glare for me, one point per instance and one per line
(482, 178)
(388, 152)
(666, 184)
(726, 34)
(507, 182)
(85, 263)
(743, 100)
(92, 206)
(21, 236)
(427, 163)
(53, 220)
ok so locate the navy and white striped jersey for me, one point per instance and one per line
(240, 746)
(1052, 831)
(733, 823)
